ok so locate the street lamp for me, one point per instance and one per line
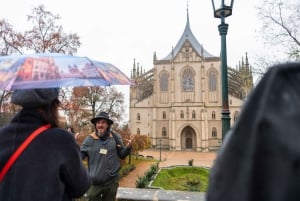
(222, 12)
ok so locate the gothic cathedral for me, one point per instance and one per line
(178, 102)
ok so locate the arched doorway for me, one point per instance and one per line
(188, 139)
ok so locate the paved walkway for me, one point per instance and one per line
(168, 158)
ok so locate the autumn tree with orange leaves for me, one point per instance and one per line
(81, 104)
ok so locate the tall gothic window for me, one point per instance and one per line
(181, 114)
(164, 77)
(164, 115)
(138, 131)
(214, 132)
(236, 116)
(138, 116)
(187, 78)
(213, 115)
(164, 132)
(193, 114)
(212, 80)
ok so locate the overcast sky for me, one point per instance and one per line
(117, 31)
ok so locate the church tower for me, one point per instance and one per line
(178, 102)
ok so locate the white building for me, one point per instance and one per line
(178, 102)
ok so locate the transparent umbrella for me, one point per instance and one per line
(53, 70)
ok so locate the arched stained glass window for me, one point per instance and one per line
(212, 80)
(164, 81)
(188, 81)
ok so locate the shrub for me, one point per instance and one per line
(141, 182)
(126, 169)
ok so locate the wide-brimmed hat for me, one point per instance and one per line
(33, 98)
(102, 115)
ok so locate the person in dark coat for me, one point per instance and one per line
(50, 168)
(104, 148)
(260, 157)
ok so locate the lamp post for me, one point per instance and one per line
(222, 12)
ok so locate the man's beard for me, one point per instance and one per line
(103, 135)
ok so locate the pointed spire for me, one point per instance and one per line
(187, 26)
(187, 14)
(187, 35)
(154, 57)
(247, 63)
(134, 69)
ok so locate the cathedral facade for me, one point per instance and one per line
(178, 103)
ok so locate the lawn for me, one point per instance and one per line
(186, 178)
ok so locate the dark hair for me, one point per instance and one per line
(50, 113)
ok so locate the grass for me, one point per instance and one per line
(183, 179)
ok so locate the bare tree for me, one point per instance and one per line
(280, 25)
(10, 40)
(44, 36)
(47, 36)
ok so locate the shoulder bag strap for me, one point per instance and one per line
(20, 149)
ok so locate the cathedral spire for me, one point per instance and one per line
(134, 70)
(187, 15)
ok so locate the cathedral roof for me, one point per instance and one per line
(188, 35)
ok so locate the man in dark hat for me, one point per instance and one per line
(50, 167)
(104, 148)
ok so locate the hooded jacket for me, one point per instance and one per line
(50, 168)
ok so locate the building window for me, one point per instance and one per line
(138, 131)
(236, 116)
(188, 80)
(213, 115)
(164, 132)
(164, 77)
(138, 116)
(164, 115)
(193, 114)
(214, 132)
(181, 114)
(212, 80)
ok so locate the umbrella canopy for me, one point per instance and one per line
(57, 70)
